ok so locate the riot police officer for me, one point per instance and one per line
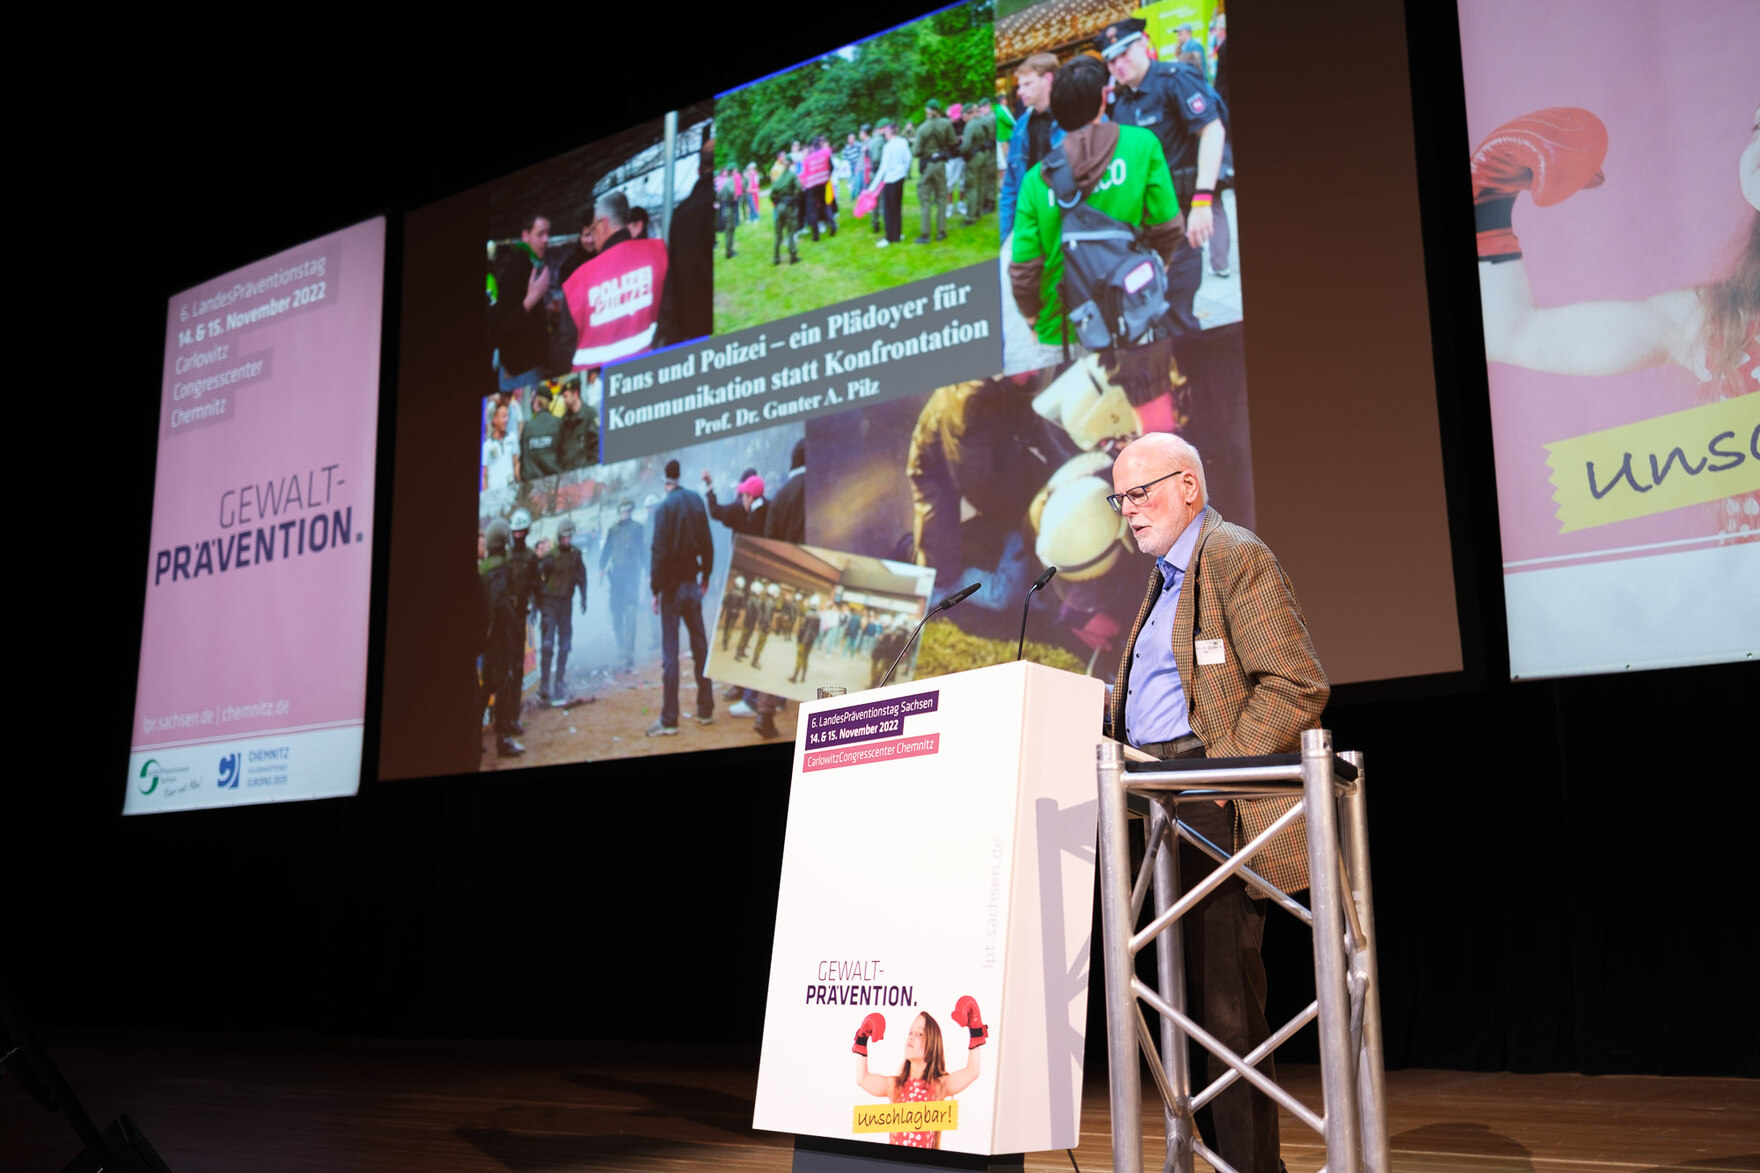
(523, 562)
(733, 606)
(562, 572)
(504, 641)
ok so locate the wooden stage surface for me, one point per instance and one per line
(265, 1104)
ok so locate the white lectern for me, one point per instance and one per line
(940, 847)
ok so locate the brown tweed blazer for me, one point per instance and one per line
(1269, 687)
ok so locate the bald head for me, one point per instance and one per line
(1165, 472)
(1167, 452)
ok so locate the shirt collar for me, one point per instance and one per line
(1173, 564)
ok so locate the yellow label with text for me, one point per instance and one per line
(927, 1116)
(1683, 458)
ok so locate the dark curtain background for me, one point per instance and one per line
(1559, 866)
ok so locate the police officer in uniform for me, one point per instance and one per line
(935, 145)
(876, 146)
(733, 605)
(979, 149)
(504, 641)
(562, 572)
(1178, 105)
(785, 193)
(805, 637)
(577, 431)
(757, 619)
(728, 198)
(540, 440)
(527, 583)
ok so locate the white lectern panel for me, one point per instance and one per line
(940, 846)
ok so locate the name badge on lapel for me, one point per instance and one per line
(1210, 651)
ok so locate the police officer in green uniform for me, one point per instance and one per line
(527, 583)
(979, 151)
(562, 572)
(729, 212)
(757, 619)
(785, 196)
(876, 146)
(540, 440)
(733, 606)
(935, 145)
(578, 433)
(503, 642)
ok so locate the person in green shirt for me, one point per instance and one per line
(1120, 171)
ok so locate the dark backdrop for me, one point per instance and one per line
(1558, 864)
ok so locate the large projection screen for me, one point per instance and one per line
(945, 440)
(253, 665)
(1621, 325)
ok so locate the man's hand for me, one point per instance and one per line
(1199, 225)
(656, 607)
(537, 285)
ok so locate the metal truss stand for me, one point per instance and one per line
(1329, 792)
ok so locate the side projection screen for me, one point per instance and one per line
(254, 644)
(1618, 220)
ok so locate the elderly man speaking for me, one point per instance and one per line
(1219, 664)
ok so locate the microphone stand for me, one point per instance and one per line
(958, 596)
(1021, 648)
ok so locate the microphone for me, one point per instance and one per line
(1043, 579)
(958, 596)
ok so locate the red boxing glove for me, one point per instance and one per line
(1554, 153)
(965, 1012)
(873, 1027)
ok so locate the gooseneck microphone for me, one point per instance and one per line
(1043, 579)
(958, 596)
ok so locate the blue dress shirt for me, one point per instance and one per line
(1155, 706)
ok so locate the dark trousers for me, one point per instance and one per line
(1225, 992)
(623, 615)
(503, 673)
(1184, 276)
(892, 201)
(683, 604)
(817, 213)
(1219, 236)
(558, 639)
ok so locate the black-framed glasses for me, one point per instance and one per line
(1139, 494)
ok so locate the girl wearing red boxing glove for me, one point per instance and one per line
(924, 1075)
(1712, 330)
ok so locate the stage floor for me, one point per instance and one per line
(268, 1103)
